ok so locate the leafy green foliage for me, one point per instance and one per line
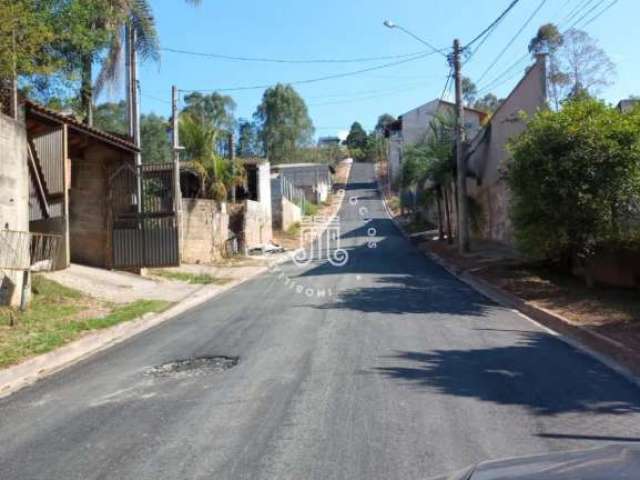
(248, 139)
(154, 140)
(469, 91)
(156, 148)
(284, 123)
(575, 180)
(488, 103)
(214, 109)
(357, 137)
(111, 117)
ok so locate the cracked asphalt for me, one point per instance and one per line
(385, 368)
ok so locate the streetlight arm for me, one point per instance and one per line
(390, 24)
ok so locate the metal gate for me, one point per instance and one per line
(144, 233)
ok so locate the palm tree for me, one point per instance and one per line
(119, 14)
(217, 174)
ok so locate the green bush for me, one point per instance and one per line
(575, 180)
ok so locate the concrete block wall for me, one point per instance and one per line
(14, 199)
(88, 208)
(291, 214)
(256, 226)
(205, 229)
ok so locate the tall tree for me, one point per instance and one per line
(112, 117)
(154, 139)
(586, 65)
(26, 30)
(549, 40)
(357, 137)
(284, 122)
(248, 139)
(215, 109)
(469, 91)
(383, 121)
(113, 16)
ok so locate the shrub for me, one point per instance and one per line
(575, 180)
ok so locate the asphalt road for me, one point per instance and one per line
(385, 368)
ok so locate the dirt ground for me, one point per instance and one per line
(614, 312)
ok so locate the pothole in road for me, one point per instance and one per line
(193, 367)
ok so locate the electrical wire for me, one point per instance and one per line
(594, 18)
(493, 24)
(497, 81)
(582, 4)
(289, 61)
(393, 92)
(513, 39)
(317, 79)
(586, 14)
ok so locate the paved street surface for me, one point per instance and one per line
(399, 372)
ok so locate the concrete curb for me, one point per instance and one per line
(607, 351)
(15, 377)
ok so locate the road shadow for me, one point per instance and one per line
(409, 294)
(536, 371)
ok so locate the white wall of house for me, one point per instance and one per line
(416, 128)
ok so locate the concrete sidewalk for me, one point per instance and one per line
(123, 287)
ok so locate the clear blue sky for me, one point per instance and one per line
(342, 29)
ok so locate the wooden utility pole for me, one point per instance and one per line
(463, 220)
(232, 157)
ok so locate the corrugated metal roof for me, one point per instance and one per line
(107, 137)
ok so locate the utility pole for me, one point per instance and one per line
(463, 221)
(232, 157)
(133, 105)
(175, 148)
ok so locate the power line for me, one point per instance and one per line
(576, 10)
(497, 80)
(317, 79)
(593, 19)
(505, 72)
(513, 39)
(493, 24)
(368, 97)
(285, 60)
(586, 14)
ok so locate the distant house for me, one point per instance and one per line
(413, 127)
(314, 179)
(329, 141)
(628, 104)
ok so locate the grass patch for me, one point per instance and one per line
(193, 278)
(310, 209)
(294, 229)
(58, 315)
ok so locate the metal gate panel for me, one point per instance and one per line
(144, 235)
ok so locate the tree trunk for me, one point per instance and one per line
(86, 92)
(439, 207)
(448, 217)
